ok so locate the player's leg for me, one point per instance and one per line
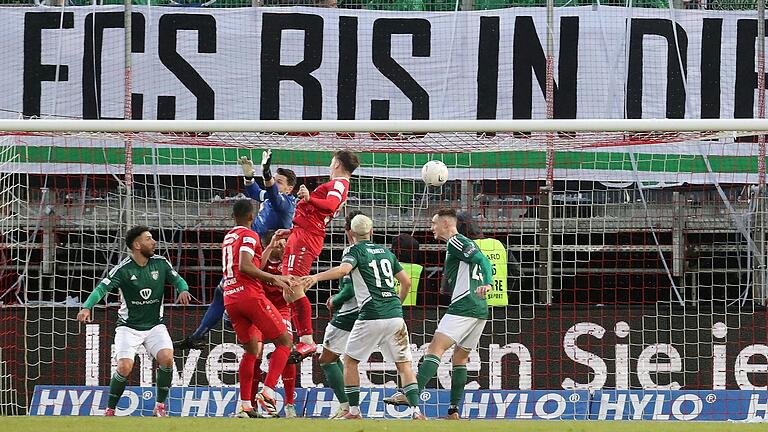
(450, 330)
(301, 250)
(334, 342)
(352, 388)
(211, 318)
(365, 336)
(127, 341)
(269, 321)
(159, 345)
(246, 373)
(396, 347)
(458, 381)
(289, 373)
(464, 346)
(257, 369)
(249, 337)
(289, 385)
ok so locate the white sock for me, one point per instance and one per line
(269, 391)
(344, 405)
(307, 339)
(246, 405)
(416, 410)
(354, 410)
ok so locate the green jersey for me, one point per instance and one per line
(466, 269)
(344, 303)
(141, 291)
(373, 275)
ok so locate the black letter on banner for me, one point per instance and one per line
(675, 77)
(95, 23)
(35, 72)
(169, 27)
(529, 57)
(746, 76)
(272, 72)
(346, 97)
(488, 68)
(711, 35)
(421, 31)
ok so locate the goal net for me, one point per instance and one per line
(629, 260)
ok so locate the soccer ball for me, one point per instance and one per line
(434, 173)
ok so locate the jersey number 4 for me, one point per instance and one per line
(384, 267)
(476, 273)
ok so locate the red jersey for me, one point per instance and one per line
(324, 202)
(237, 286)
(273, 293)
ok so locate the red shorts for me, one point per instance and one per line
(301, 250)
(255, 315)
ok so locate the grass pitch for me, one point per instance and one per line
(186, 424)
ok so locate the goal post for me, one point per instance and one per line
(639, 273)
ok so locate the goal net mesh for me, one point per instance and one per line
(632, 269)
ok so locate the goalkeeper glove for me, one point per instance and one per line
(247, 166)
(266, 160)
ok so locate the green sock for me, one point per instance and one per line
(427, 370)
(335, 378)
(353, 394)
(116, 389)
(340, 364)
(163, 383)
(412, 393)
(458, 381)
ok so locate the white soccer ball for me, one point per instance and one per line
(434, 173)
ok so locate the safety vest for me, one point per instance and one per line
(497, 254)
(414, 271)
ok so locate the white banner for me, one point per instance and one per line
(293, 63)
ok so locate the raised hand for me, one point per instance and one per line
(247, 167)
(266, 161)
(303, 193)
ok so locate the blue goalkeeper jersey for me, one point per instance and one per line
(276, 211)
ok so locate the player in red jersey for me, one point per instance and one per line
(272, 262)
(313, 213)
(250, 311)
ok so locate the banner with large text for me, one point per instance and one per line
(734, 405)
(319, 63)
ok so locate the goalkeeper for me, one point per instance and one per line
(277, 208)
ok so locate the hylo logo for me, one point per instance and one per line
(145, 293)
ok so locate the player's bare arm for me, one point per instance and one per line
(335, 273)
(247, 266)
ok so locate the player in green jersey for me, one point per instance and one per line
(380, 325)
(343, 305)
(467, 274)
(141, 279)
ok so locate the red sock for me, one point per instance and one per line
(256, 377)
(289, 382)
(246, 376)
(277, 363)
(303, 310)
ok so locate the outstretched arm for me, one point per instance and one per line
(105, 286)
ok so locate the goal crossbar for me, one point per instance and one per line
(412, 126)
